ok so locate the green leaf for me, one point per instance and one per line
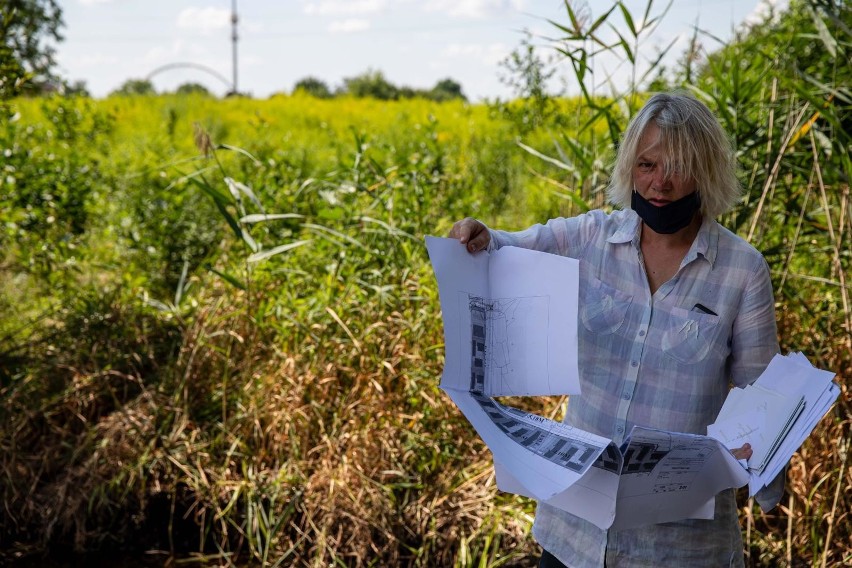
(825, 35)
(578, 63)
(574, 197)
(628, 18)
(259, 217)
(232, 280)
(624, 45)
(647, 23)
(573, 17)
(599, 22)
(572, 35)
(239, 151)
(322, 229)
(220, 201)
(580, 152)
(394, 231)
(186, 177)
(546, 158)
(263, 255)
(181, 283)
(656, 62)
(249, 240)
(237, 188)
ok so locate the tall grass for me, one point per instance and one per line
(220, 337)
(194, 396)
(782, 91)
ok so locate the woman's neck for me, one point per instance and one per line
(662, 253)
(678, 239)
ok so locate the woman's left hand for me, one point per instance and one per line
(742, 453)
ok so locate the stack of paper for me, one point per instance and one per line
(775, 414)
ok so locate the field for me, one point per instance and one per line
(220, 338)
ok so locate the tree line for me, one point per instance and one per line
(371, 83)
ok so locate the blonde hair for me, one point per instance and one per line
(694, 144)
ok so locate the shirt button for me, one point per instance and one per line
(626, 396)
(642, 333)
(620, 429)
(634, 363)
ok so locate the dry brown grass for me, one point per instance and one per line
(811, 526)
(338, 449)
(247, 450)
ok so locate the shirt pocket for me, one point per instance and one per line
(689, 335)
(604, 308)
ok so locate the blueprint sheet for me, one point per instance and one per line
(510, 328)
(510, 320)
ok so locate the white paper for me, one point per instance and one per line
(739, 429)
(510, 328)
(669, 476)
(775, 414)
(510, 320)
(757, 415)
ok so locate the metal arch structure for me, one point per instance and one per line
(189, 65)
(231, 85)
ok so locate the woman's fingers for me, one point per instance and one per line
(471, 233)
(742, 453)
(462, 229)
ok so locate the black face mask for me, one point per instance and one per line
(669, 218)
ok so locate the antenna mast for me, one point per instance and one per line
(234, 38)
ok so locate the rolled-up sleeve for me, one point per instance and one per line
(562, 236)
(754, 340)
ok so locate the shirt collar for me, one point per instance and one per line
(628, 231)
(706, 242)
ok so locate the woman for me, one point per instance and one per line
(674, 309)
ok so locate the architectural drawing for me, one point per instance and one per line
(643, 457)
(537, 435)
(501, 342)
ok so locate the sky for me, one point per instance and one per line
(414, 43)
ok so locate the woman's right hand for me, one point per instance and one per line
(471, 233)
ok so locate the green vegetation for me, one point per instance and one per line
(220, 335)
(314, 87)
(136, 87)
(27, 28)
(373, 84)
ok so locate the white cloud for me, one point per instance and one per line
(93, 2)
(490, 54)
(763, 9)
(476, 9)
(344, 7)
(159, 54)
(179, 50)
(348, 26)
(95, 60)
(204, 19)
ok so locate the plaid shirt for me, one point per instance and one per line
(664, 361)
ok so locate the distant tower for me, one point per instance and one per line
(234, 38)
